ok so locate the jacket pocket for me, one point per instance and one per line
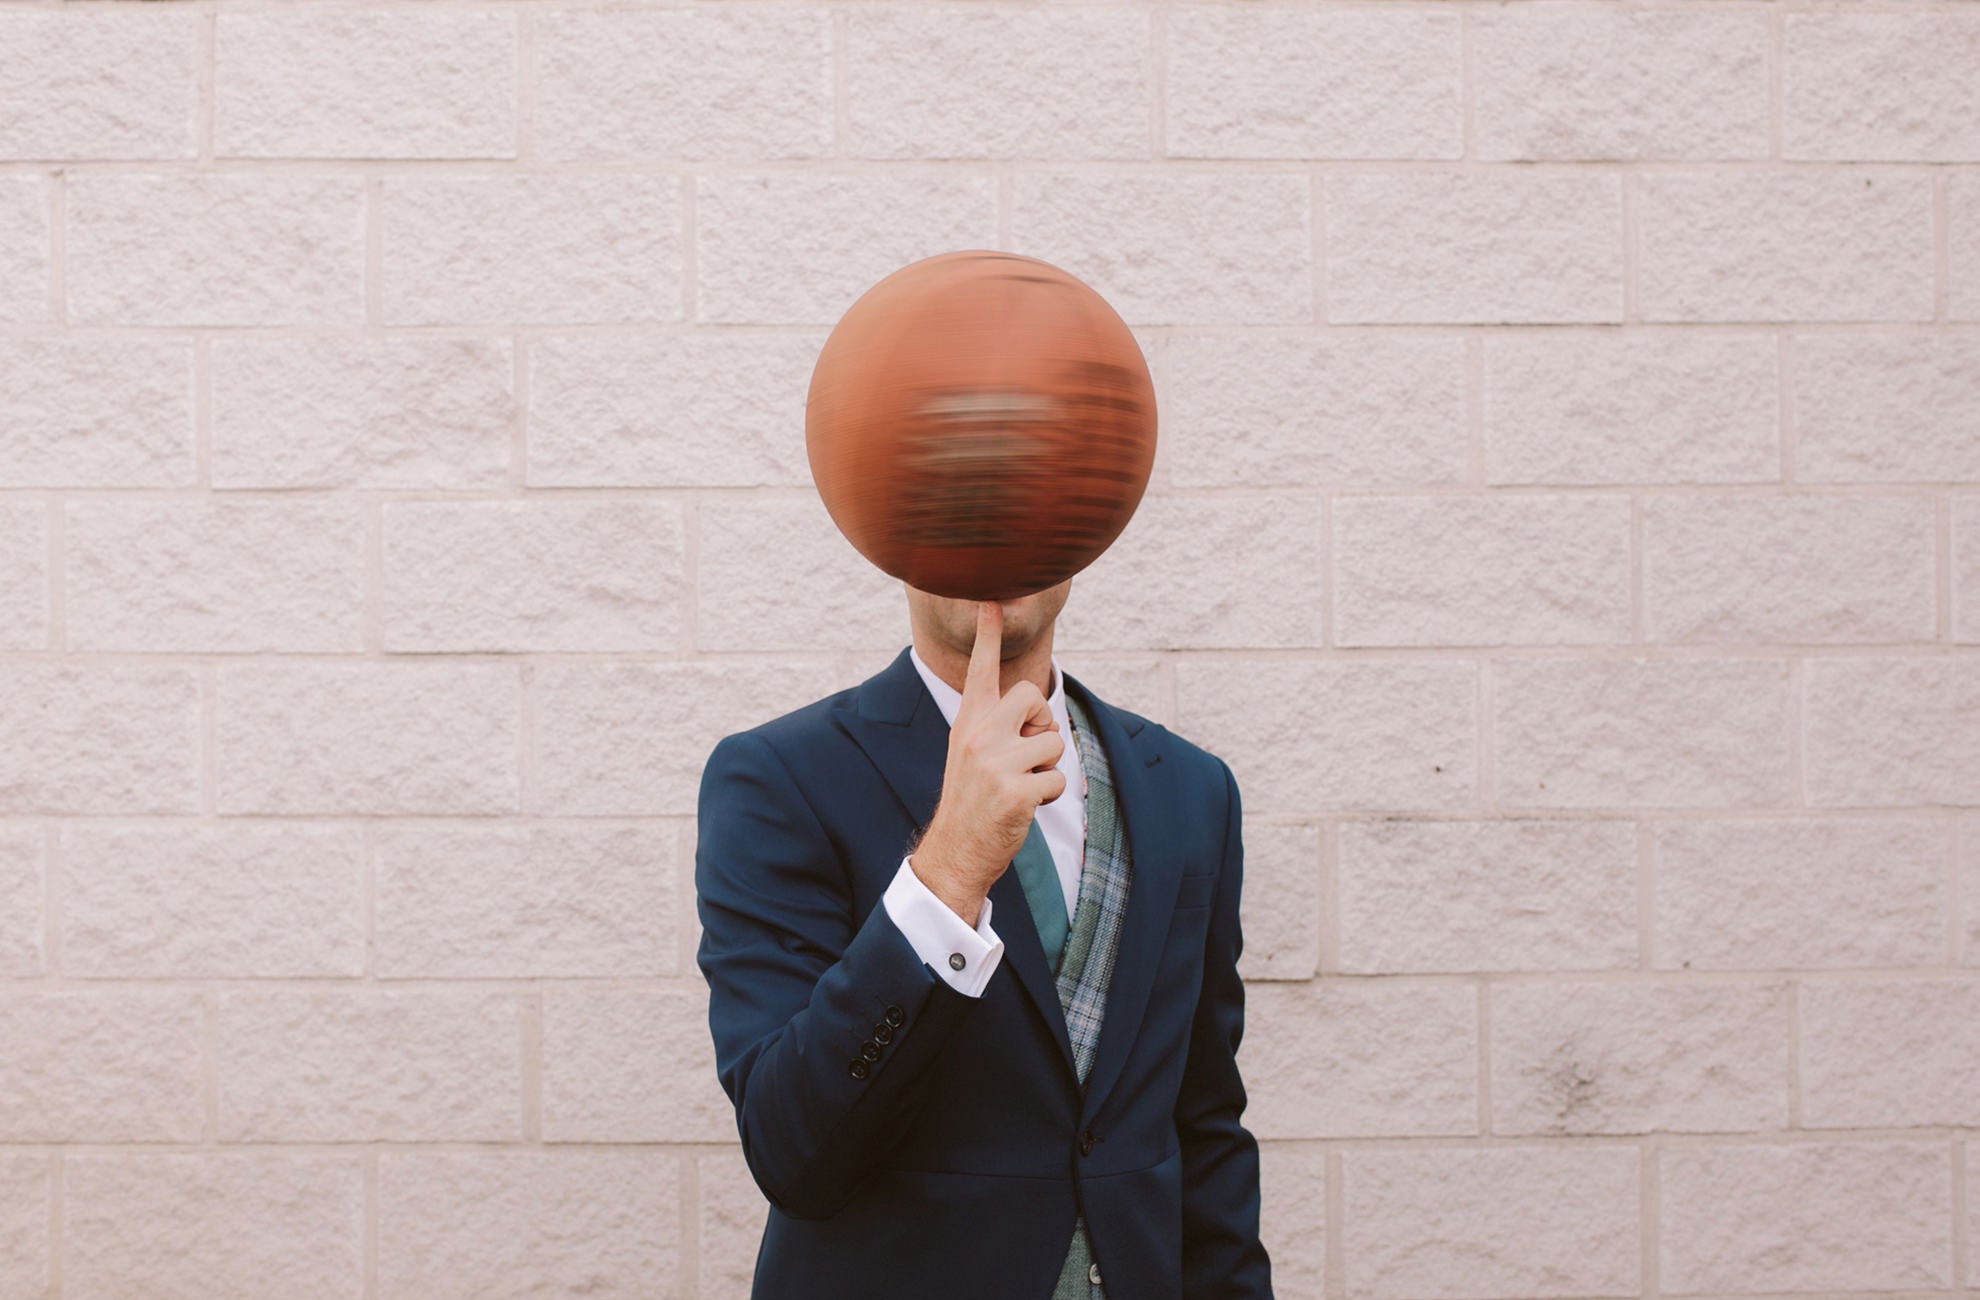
(1196, 890)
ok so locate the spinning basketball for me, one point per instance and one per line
(981, 425)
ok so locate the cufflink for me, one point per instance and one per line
(956, 961)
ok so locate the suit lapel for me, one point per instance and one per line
(901, 728)
(1146, 803)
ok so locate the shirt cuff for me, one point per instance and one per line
(940, 937)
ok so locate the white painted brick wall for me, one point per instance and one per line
(1566, 521)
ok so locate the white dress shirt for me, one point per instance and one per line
(967, 956)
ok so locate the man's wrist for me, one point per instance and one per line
(958, 901)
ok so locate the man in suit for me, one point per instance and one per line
(937, 1109)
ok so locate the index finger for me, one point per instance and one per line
(986, 655)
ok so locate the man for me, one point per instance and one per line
(938, 1108)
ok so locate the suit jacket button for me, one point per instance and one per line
(895, 1016)
(883, 1033)
(870, 1050)
(1086, 1143)
(860, 1069)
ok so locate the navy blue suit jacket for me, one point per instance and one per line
(952, 1165)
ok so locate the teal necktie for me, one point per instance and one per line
(1040, 877)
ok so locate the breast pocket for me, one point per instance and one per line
(1196, 889)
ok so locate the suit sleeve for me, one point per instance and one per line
(1222, 1256)
(801, 996)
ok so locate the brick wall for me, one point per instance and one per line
(1565, 523)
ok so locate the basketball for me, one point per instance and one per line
(980, 425)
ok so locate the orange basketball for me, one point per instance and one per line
(981, 425)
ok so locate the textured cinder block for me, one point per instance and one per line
(368, 1065)
(1367, 407)
(1702, 733)
(464, 1225)
(1890, 1053)
(367, 737)
(527, 901)
(1782, 893)
(1204, 573)
(99, 738)
(737, 82)
(365, 83)
(400, 412)
(1639, 1057)
(1966, 568)
(1176, 247)
(1292, 1218)
(27, 1255)
(26, 224)
(1970, 1149)
(24, 574)
(1883, 407)
(631, 738)
(1586, 406)
(981, 81)
(1452, 1223)
(631, 1065)
(1415, 247)
(775, 573)
(1360, 1058)
(94, 411)
(214, 248)
(192, 574)
(100, 84)
(1790, 569)
(1306, 736)
(1518, 894)
(535, 248)
(195, 900)
(1570, 81)
(1963, 203)
(1258, 81)
(1280, 906)
(1456, 570)
(592, 574)
(715, 408)
(1881, 86)
(231, 1226)
(732, 1216)
(1784, 245)
(89, 1066)
(1899, 730)
(797, 248)
(22, 887)
(1969, 875)
(1827, 1216)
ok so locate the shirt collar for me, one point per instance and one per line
(951, 699)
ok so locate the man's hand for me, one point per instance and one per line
(1004, 749)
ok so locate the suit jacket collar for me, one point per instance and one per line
(901, 728)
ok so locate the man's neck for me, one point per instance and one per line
(952, 665)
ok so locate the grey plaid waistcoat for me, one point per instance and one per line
(1087, 962)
